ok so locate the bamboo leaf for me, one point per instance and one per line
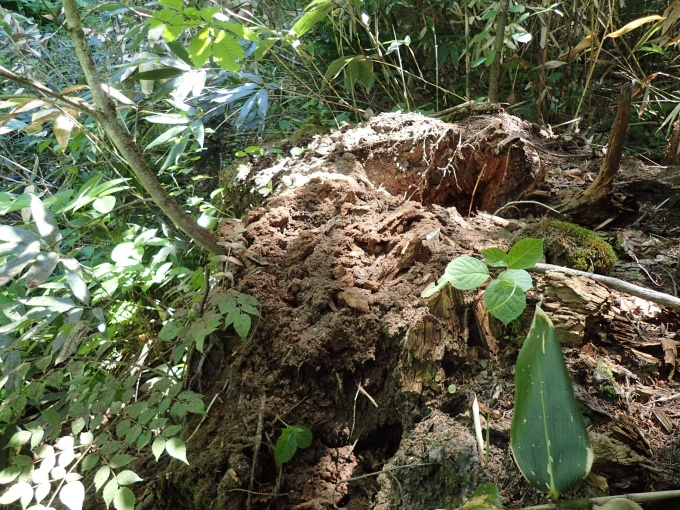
(635, 24)
(548, 437)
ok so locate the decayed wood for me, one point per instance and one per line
(616, 284)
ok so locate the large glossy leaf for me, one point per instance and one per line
(548, 437)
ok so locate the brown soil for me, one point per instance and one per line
(338, 258)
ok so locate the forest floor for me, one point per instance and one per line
(338, 257)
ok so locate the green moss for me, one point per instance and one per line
(572, 246)
(306, 132)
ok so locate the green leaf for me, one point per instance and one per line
(9, 474)
(177, 449)
(41, 269)
(122, 427)
(504, 300)
(242, 325)
(525, 253)
(110, 491)
(120, 460)
(494, 257)
(227, 52)
(45, 222)
(90, 461)
(172, 4)
(335, 67)
(158, 447)
(199, 48)
(124, 499)
(316, 11)
(19, 439)
(72, 495)
(289, 441)
(101, 476)
(548, 437)
(466, 273)
(104, 205)
(127, 477)
(517, 277)
(170, 330)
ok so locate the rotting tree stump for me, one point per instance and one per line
(347, 346)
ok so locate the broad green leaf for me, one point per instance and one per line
(227, 52)
(101, 476)
(172, 4)
(166, 136)
(104, 205)
(90, 461)
(504, 300)
(548, 437)
(316, 11)
(517, 277)
(170, 330)
(9, 474)
(122, 427)
(199, 48)
(124, 499)
(19, 439)
(242, 325)
(465, 273)
(120, 460)
(109, 492)
(164, 73)
(336, 67)
(41, 491)
(72, 495)
(158, 447)
(177, 449)
(127, 477)
(525, 253)
(289, 441)
(494, 257)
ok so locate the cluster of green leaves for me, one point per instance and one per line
(505, 296)
(227, 308)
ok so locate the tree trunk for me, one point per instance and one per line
(107, 117)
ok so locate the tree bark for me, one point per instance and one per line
(105, 114)
(498, 47)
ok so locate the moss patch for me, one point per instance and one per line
(306, 133)
(569, 245)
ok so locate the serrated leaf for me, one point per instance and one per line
(199, 48)
(158, 447)
(90, 461)
(122, 427)
(242, 325)
(504, 300)
(494, 257)
(517, 277)
(127, 477)
(525, 253)
(124, 499)
(465, 273)
(289, 441)
(101, 476)
(548, 436)
(303, 436)
(72, 495)
(177, 449)
(227, 52)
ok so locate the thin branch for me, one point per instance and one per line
(46, 91)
